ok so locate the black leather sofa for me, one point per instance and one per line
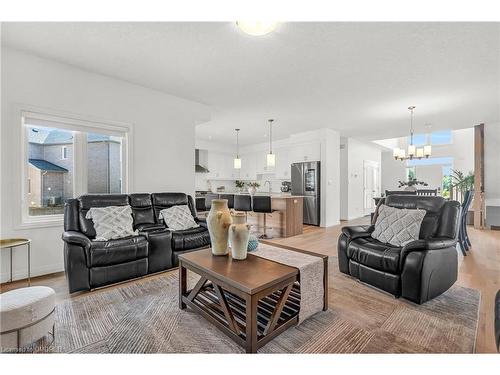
(91, 264)
(419, 271)
(497, 319)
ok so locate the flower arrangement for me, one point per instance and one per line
(239, 184)
(252, 187)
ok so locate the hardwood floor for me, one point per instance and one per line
(479, 270)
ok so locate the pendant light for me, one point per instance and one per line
(413, 151)
(271, 158)
(237, 160)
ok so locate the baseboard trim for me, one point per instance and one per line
(38, 271)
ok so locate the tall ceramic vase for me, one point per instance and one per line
(239, 233)
(218, 222)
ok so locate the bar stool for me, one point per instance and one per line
(243, 203)
(209, 197)
(262, 204)
(230, 199)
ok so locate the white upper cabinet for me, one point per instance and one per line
(305, 152)
(282, 169)
(248, 169)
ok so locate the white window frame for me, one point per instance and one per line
(80, 126)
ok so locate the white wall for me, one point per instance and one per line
(492, 164)
(330, 177)
(162, 144)
(352, 192)
(344, 180)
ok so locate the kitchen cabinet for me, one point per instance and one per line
(220, 166)
(248, 169)
(305, 152)
(282, 169)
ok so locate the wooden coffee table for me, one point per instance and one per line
(251, 301)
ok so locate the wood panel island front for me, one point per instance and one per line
(286, 220)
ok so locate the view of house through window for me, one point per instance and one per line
(52, 166)
(50, 170)
(104, 165)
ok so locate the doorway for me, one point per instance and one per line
(371, 185)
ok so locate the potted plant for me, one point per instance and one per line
(411, 184)
(252, 187)
(239, 185)
(462, 182)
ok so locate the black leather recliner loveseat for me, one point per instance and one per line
(91, 264)
(419, 271)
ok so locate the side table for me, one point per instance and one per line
(11, 243)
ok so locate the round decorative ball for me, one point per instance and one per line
(253, 243)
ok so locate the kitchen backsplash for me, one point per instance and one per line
(202, 183)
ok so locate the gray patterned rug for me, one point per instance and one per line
(143, 317)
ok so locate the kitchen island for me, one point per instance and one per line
(286, 220)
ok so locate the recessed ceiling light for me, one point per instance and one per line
(256, 28)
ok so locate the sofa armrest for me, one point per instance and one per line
(201, 221)
(358, 231)
(436, 243)
(76, 238)
(430, 244)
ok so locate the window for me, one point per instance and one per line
(436, 138)
(441, 137)
(65, 158)
(50, 178)
(64, 152)
(410, 173)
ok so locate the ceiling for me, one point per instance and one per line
(357, 78)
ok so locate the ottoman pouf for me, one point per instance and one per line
(26, 315)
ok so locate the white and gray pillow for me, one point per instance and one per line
(112, 222)
(397, 226)
(178, 217)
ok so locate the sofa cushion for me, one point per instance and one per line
(178, 218)
(97, 200)
(190, 238)
(374, 254)
(112, 222)
(105, 253)
(432, 205)
(397, 226)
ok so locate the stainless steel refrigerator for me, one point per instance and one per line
(306, 182)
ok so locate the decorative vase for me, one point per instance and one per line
(252, 190)
(239, 232)
(411, 188)
(218, 222)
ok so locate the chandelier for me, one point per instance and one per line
(413, 152)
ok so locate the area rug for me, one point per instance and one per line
(143, 317)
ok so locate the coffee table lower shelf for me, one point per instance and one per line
(208, 302)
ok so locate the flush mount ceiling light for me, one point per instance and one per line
(256, 28)
(413, 151)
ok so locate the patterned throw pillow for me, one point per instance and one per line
(397, 226)
(178, 217)
(112, 222)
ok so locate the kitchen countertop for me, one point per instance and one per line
(272, 194)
